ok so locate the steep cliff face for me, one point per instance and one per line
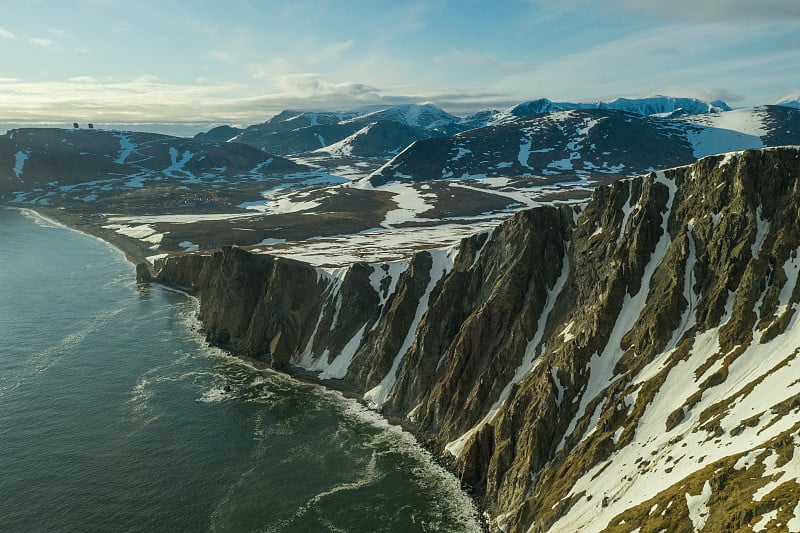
(630, 362)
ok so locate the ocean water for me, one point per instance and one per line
(113, 416)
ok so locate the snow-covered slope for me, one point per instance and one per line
(377, 139)
(556, 143)
(347, 134)
(291, 119)
(424, 116)
(739, 129)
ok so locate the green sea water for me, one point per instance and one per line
(113, 416)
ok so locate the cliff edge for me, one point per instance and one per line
(627, 362)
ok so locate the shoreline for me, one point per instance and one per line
(133, 250)
(136, 253)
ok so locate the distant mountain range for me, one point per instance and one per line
(664, 106)
(394, 168)
(394, 127)
(589, 141)
(35, 157)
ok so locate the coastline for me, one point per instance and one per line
(133, 250)
(136, 253)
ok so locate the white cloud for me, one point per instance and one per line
(333, 50)
(141, 101)
(5, 34)
(101, 101)
(83, 79)
(674, 55)
(708, 94)
(474, 59)
(44, 43)
(220, 55)
(146, 78)
(313, 85)
(59, 33)
(792, 96)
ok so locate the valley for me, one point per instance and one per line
(411, 171)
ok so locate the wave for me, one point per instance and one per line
(43, 360)
(44, 221)
(386, 443)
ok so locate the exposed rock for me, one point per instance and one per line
(143, 274)
(580, 367)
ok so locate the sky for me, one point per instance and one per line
(242, 61)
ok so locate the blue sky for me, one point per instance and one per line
(242, 61)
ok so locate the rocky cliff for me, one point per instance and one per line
(627, 363)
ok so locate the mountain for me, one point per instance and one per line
(656, 105)
(479, 119)
(630, 362)
(90, 174)
(424, 116)
(35, 157)
(295, 141)
(393, 128)
(289, 119)
(218, 134)
(588, 142)
(295, 132)
(377, 139)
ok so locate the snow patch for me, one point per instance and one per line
(410, 203)
(601, 365)
(730, 131)
(765, 519)
(698, 507)
(271, 242)
(338, 368)
(442, 263)
(524, 152)
(126, 148)
(529, 362)
(794, 523)
(19, 162)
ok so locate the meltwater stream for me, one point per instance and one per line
(113, 416)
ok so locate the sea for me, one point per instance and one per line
(114, 416)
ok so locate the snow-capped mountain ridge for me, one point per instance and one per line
(655, 105)
(295, 131)
(425, 116)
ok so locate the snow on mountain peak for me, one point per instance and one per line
(655, 105)
(425, 116)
